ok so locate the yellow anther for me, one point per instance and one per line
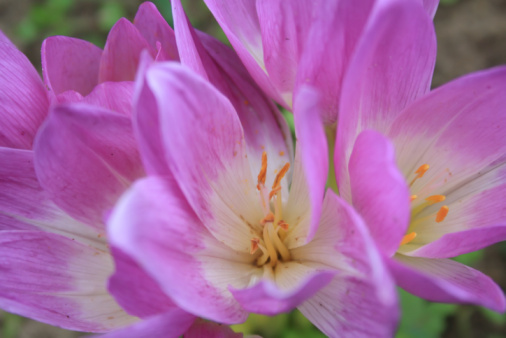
(412, 198)
(441, 214)
(408, 238)
(435, 199)
(263, 171)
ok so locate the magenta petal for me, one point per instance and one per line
(431, 6)
(135, 290)
(202, 328)
(154, 224)
(330, 44)
(58, 281)
(459, 243)
(312, 145)
(115, 96)
(379, 191)
(155, 29)
(122, 52)
(268, 299)
(85, 157)
(23, 101)
(444, 280)
(392, 66)
(70, 64)
(172, 323)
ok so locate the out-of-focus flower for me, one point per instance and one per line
(288, 44)
(222, 243)
(435, 187)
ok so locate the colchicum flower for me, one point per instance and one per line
(426, 171)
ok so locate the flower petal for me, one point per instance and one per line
(70, 64)
(122, 52)
(294, 283)
(172, 323)
(212, 170)
(431, 6)
(392, 66)
(23, 101)
(379, 191)
(155, 29)
(115, 96)
(202, 328)
(58, 281)
(444, 280)
(361, 299)
(331, 41)
(85, 157)
(135, 290)
(176, 250)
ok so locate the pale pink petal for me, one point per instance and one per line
(23, 101)
(24, 205)
(56, 280)
(85, 157)
(155, 29)
(379, 191)
(311, 168)
(239, 21)
(293, 284)
(392, 66)
(331, 41)
(284, 26)
(115, 96)
(122, 52)
(154, 224)
(361, 299)
(172, 323)
(212, 170)
(444, 280)
(137, 293)
(70, 64)
(202, 328)
(431, 6)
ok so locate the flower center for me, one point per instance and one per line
(440, 215)
(274, 228)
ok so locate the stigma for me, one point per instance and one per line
(270, 241)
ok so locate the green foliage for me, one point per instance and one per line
(10, 325)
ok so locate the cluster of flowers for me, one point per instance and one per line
(152, 189)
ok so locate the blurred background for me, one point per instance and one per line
(471, 36)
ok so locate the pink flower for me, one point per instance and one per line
(288, 44)
(434, 187)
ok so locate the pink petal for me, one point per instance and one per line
(392, 66)
(135, 290)
(294, 283)
(115, 96)
(330, 44)
(56, 280)
(379, 191)
(444, 280)
(122, 52)
(154, 28)
(431, 6)
(85, 157)
(172, 323)
(361, 299)
(284, 26)
(203, 328)
(220, 188)
(174, 249)
(70, 64)
(23, 101)
(239, 21)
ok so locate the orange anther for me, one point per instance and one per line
(254, 245)
(274, 192)
(281, 153)
(441, 214)
(422, 170)
(435, 199)
(283, 225)
(268, 218)
(280, 175)
(408, 238)
(412, 198)
(263, 171)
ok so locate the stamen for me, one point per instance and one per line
(283, 225)
(408, 238)
(280, 175)
(267, 219)
(270, 247)
(263, 171)
(254, 245)
(412, 198)
(419, 173)
(441, 214)
(435, 199)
